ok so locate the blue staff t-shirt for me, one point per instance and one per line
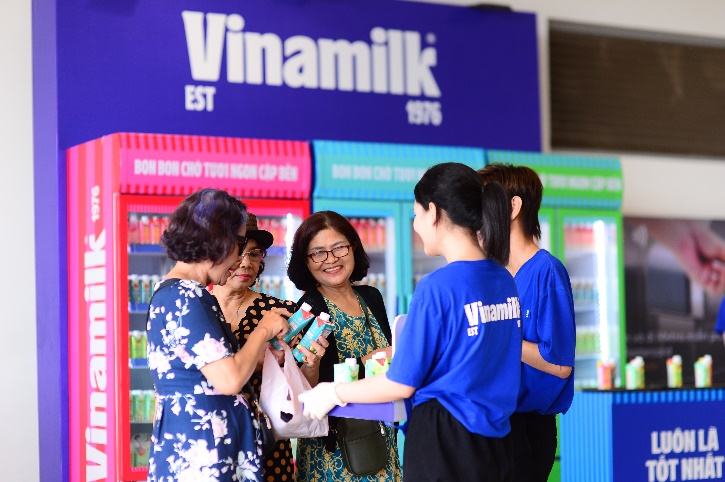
(547, 311)
(720, 321)
(461, 345)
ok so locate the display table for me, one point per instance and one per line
(644, 435)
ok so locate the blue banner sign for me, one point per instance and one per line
(669, 436)
(383, 71)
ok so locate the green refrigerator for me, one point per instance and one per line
(581, 224)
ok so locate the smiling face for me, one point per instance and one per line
(333, 272)
(220, 273)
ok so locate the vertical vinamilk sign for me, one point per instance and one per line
(90, 324)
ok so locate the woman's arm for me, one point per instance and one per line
(229, 374)
(375, 389)
(326, 396)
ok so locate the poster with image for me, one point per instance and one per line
(674, 287)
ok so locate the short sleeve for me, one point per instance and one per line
(191, 326)
(556, 327)
(420, 344)
(720, 321)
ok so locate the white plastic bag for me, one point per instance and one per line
(278, 397)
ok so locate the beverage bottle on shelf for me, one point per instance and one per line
(605, 374)
(380, 233)
(372, 227)
(144, 230)
(363, 232)
(163, 223)
(146, 288)
(133, 231)
(703, 372)
(674, 371)
(134, 288)
(276, 286)
(274, 228)
(154, 230)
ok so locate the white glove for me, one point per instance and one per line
(320, 400)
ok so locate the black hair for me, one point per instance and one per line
(521, 181)
(297, 270)
(204, 227)
(458, 190)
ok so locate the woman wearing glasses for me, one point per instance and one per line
(327, 257)
(243, 309)
(203, 427)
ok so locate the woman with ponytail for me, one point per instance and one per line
(459, 353)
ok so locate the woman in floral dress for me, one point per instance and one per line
(204, 429)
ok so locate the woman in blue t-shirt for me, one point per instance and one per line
(459, 354)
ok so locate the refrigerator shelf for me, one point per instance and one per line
(138, 308)
(138, 363)
(588, 357)
(153, 249)
(582, 307)
(277, 251)
(578, 254)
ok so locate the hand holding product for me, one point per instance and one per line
(320, 328)
(297, 322)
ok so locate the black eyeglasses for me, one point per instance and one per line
(255, 255)
(241, 242)
(320, 256)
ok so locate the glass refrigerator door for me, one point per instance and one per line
(418, 263)
(142, 262)
(547, 241)
(376, 223)
(591, 251)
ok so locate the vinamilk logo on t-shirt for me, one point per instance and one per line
(477, 313)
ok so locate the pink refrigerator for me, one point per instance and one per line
(121, 190)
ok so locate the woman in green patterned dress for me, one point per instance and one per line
(327, 257)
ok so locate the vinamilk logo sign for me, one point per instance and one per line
(377, 71)
(391, 61)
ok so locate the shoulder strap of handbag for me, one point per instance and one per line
(364, 307)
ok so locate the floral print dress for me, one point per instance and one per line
(199, 434)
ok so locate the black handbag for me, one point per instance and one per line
(362, 442)
(362, 445)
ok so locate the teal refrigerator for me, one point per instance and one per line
(372, 184)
